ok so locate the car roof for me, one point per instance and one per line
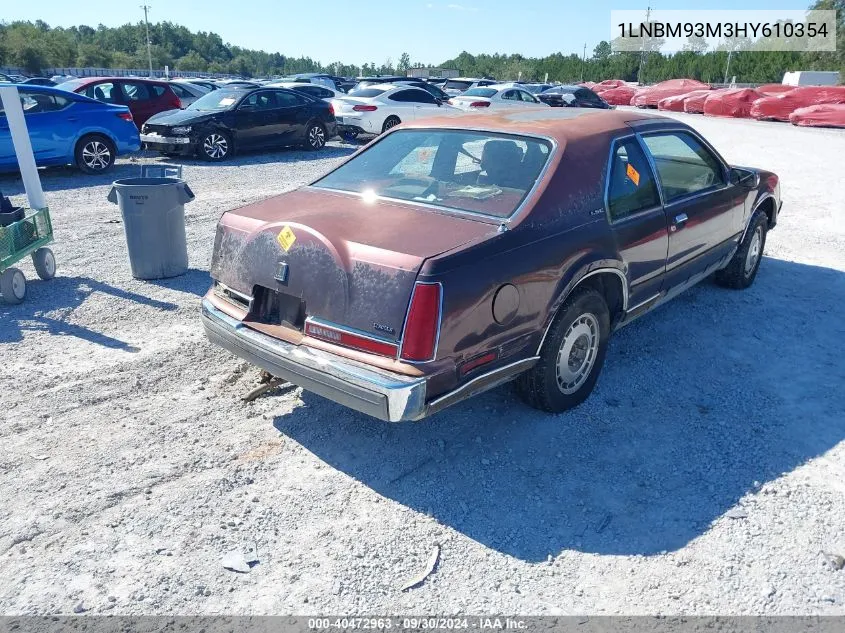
(84, 81)
(45, 89)
(561, 124)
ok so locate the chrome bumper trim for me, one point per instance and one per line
(381, 394)
(165, 140)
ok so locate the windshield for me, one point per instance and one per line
(218, 100)
(460, 170)
(456, 85)
(479, 92)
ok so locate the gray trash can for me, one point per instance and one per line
(153, 211)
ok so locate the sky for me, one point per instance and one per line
(370, 31)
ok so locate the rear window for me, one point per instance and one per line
(366, 92)
(480, 92)
(459, 170)
(456, 85)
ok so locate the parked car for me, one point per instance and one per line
(237, 83)
(202, 83)
(572, 97)
(232, 119)
(317, 91)
(495, 97)
(459, 85)
(320, 79)
(70, 129)
(450, 256)
(38, 81)
(187, 92)
(7, 78)
(536, 89)
(378, 108)
(366, 82)
(144, 97)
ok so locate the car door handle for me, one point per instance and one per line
(679, 222)
(73, 118)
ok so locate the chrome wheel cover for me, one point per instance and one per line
(316, 137)
(96, 155)
(215, 146)
(577, 354)
(754, 251)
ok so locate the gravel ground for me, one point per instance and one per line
(706, 474)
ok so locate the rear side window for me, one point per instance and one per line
(411, 96)
(135, 91)
(632, 187)
(289, 99)
(35, 102)
(160, 90)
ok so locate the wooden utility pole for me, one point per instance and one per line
(149, 44)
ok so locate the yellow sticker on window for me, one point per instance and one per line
(286, 238)
(633, 174)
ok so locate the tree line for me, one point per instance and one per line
(35, 46)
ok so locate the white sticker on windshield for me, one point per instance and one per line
(227, 101)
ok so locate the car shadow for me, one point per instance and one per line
(49, 304)
(699, 403)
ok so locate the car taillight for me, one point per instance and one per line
(422, 327)
(479, 104)
(326, 332)
(364, 108)
(126, 116)
(331, 109)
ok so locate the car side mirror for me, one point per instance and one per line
(745, 178)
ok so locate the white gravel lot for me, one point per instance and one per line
(706, 474)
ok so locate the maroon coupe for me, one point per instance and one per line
(452, 255)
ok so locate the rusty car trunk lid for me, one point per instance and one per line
(334, 256)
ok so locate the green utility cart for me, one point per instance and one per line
(27, 234)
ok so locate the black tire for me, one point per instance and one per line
(315, 136)
(742, 269)
(13, 286)
(94, 154)
(389, 122)
(583, 315)
(215, 146)
(45, 263)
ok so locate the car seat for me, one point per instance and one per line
(500, 162)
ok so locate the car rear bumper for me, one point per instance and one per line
(379, 393)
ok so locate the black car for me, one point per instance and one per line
(39, 81)
(230, 119)
(435, 92)
(573, 97)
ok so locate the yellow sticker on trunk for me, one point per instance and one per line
(633, 174)
(286, 238)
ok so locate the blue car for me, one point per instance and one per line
(70, 129)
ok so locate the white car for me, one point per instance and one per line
(378, 108)
(318, 91)
(496, 97)
(459, 85)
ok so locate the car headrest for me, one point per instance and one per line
(501, 154)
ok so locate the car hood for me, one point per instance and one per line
(181, 117)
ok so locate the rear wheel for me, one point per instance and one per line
(94, 154)
(45, 263)
(13, 286)
(742, 269)
(215, 146)
(572, 355)
(315, 137)
(391, 121)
